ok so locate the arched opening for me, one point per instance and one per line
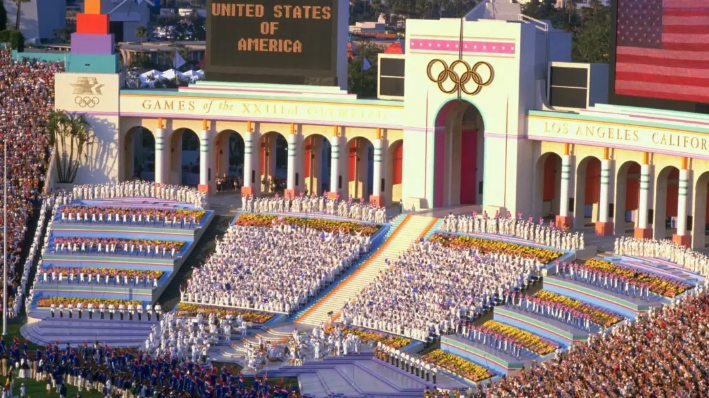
(588, 187)
(627, 195)
(700, 221)
(666, 198)
(228, 161)
(316, 164)
(395, 171)
(549, 185)
(139, 154)
(274, 162)
(458, 155)
(360, 167)
(184, 157)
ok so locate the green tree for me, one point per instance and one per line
(364, 82)
(19, 12)
(68, 136)
(63, 34)
(589, 26)
(3, 16)
(591, 41)
(142, 33)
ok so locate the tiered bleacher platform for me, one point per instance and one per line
(623, 307)
(356, 375)
(43, 328)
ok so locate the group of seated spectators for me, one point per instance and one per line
(664, 355)
(431, 288)
(273, 269)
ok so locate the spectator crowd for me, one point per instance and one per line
(662, 356)
(27, 98)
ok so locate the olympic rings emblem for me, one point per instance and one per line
(86, 102)
(460, 80)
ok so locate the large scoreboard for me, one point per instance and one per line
(272, 41)
(660, 54)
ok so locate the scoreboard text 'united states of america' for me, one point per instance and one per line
(662, 49)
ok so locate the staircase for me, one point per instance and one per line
(205, 248)
(410, 229)
(113, 332)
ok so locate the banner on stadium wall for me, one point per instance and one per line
(335, 113)
(618, 135)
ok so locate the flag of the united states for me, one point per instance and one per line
(663, 49)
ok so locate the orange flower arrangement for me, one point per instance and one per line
(267, 221)
(46, 302)
(129, 211)
(664, 286)
(190, 310)
(545, 256)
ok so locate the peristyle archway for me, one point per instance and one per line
(274, 162)
(316, 150)
(458, 155)
(139, 154)
(184, 157)
(228, 160)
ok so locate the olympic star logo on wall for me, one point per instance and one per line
(87, 86)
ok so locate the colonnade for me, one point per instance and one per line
(295, 182)
(652, 200)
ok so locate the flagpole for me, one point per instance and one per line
(4, 239)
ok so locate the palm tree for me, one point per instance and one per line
(19, 7)
(142, 33)
(68, 135)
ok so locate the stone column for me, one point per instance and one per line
(604, 227)
(247, 187)
(642, 230)
(204, 150)
(564, 218)
(685, 181)
(291, 192)
(378, 195)
(335, 163)
(160, 153)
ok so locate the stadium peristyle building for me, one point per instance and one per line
(485, 110)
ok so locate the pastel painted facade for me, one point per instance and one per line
(492, 142)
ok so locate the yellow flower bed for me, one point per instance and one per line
(532, 342)
(661, 285)
(545, 256)
(190, 310)
(46, 302)
(266, 221)
(376, 337)
(458, 365)
(599, 316)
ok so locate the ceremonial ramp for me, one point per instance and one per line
(410, 229)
